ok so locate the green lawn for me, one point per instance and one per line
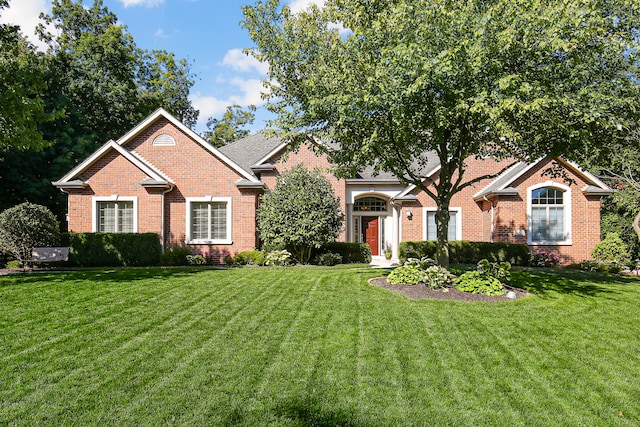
(313, 346)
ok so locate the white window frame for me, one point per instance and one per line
(566, 217)
(113, 199)
(209, 199)
(457, 210)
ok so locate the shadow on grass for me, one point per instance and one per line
(300, 412)
(545, 282)
(124, 274)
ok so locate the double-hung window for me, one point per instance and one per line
(549, 215)
(209, 220)
(430, 230)
(115, 215)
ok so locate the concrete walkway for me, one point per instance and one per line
(381, 262)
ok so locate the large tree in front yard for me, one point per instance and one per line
(392, 81)
(301, 213)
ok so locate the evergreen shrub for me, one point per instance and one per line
(114, 249)
(254, 257)
(466, 252)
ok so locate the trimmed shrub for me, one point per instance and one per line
(300, 213)
(598, 266)
(176, 255)
(465, 252)
(544, 259)
(254, 257)
(351, 253)
(114, 249)
(611, 250)
(328, 259)
(26, 226)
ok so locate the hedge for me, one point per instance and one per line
(351, 253)
(465, 252)
(113, 249)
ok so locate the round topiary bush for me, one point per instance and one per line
(26, 226)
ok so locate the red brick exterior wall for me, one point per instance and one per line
(196, 172)
(510, 213)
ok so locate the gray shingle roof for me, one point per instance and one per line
(246, 152)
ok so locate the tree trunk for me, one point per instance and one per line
(442, 226)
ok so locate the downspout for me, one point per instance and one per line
(162, 247)
(492, 220)
(66, 215)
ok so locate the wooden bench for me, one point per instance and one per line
(56, 254)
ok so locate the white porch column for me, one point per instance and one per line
(395, 235)
(348, 226)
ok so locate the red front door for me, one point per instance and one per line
(370, 232)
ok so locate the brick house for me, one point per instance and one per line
(162, 177)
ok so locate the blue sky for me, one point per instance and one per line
(205, 31)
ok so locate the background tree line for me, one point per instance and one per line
(90, 85)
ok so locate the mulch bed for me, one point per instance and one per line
(422, 291)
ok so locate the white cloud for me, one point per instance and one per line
(148, 3)
(240, 61)
(299, 5)
(160, 33)
(26, 14)
(249, 93)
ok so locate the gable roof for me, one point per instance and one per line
(155, 176)
(70, 180)
(502, 184)
(161, 112)
(252, 151)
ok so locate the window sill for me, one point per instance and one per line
(209, 242)
(551, 243)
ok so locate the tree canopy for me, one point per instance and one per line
(301, 213)
(229, 128)
(99, 83)
(21, 85)
(392, 81)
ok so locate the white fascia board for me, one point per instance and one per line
(272, 153)
(161, 112)
(588, 176)
(87, 162)
(98, 154)
(505, 184)
(412, 187)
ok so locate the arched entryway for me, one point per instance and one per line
(369, 215)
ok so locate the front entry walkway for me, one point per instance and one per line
(381, 262)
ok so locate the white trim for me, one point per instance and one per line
(457, 210)
(208, 199)
(100, 152)
(412, 187)
(567, 199)
(506, 184)
(588, 176)
(271, 153)
(161, 112)
(113, 198)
